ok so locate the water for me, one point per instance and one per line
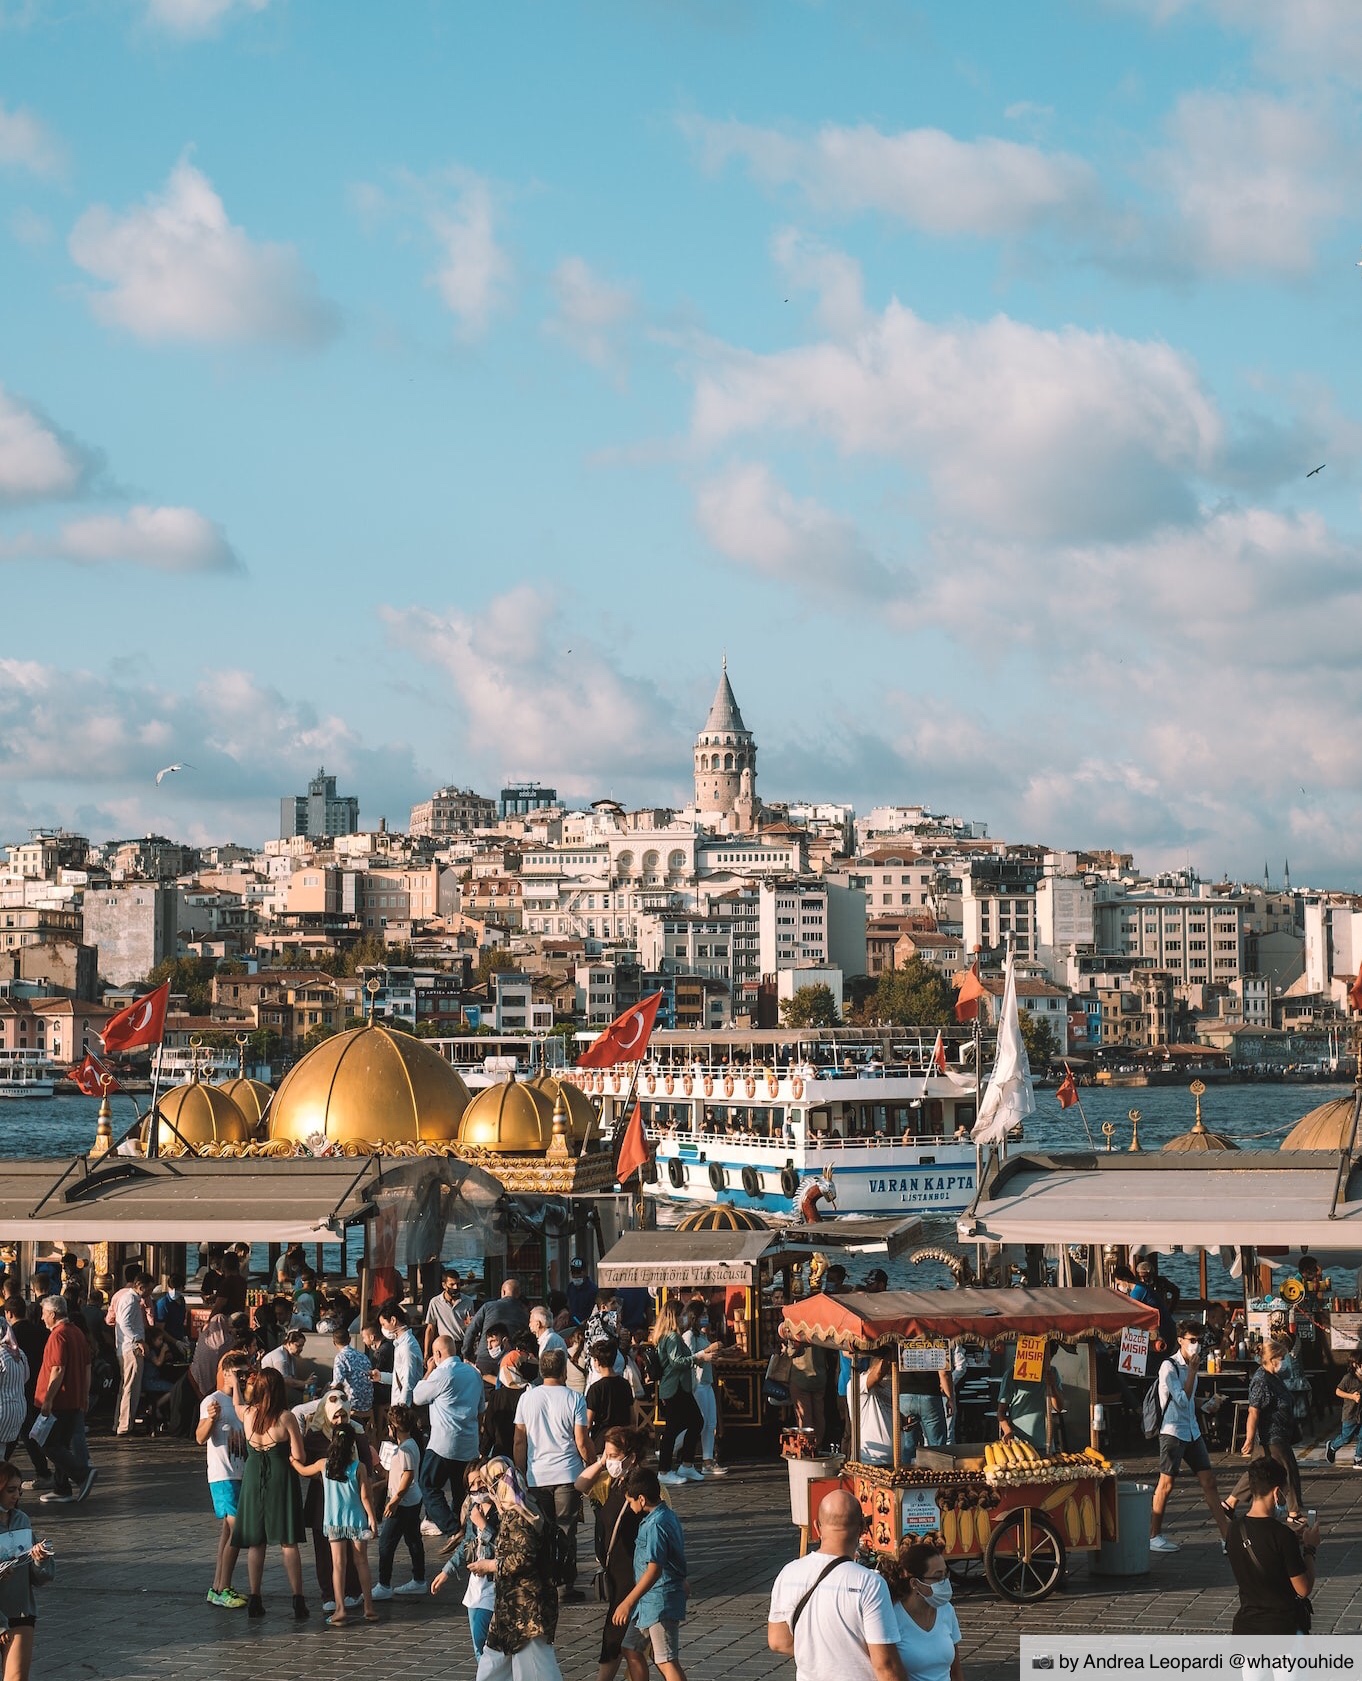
(1255, 1116)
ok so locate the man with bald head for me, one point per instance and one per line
(455, 1394)
(831, 1615)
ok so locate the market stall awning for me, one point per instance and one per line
(655, 1259)
(190, 1199)
(876, 1234)
(1234, 1199)
(866, 1319)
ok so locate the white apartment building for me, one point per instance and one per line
(992, 914)
(807, 922)
(1195, 936)
(452, 811)
(1333, 941)
(894, 883)
(1064, 922)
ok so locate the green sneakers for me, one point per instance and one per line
(229, 1599)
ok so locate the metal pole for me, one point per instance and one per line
(894, 1408)
(152, 1141)
(1094, 1434)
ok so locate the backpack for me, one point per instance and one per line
(1151, 1413)
(649, 1363)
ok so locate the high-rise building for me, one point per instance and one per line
(320, 812)
(519, 799)
(452, 811)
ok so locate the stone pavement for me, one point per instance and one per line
(135, 1560)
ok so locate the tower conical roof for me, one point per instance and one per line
(724, 714)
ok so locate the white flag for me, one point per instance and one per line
(1009, 1097)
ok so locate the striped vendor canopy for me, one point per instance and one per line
(871, 1319)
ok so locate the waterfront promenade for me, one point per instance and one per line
(135, 1560)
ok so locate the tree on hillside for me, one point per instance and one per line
(492, 958)
(811, 1006)
(1038, 1036)
(917, 995)
(190, 976)
(316, 1035)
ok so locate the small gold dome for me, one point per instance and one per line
(1327, 1128)
(722, 1217)
(200, 1115)
(252, 1097)
(510, 1116)
(582, 1117)
(1199, 1138)
(371, 1085)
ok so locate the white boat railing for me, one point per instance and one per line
(800, 1139)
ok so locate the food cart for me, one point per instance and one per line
(749, 1275)
(1019, 1510)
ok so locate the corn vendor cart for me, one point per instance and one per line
(1018, 1509)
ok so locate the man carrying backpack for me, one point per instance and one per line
(1172, 1403)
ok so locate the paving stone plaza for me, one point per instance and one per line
(135, 1561)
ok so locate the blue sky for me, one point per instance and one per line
(437, 391)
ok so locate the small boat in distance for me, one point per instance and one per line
(27, 1074)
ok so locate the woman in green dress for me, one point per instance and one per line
(270, 1511)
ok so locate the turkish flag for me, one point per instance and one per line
(1355, 992)
(939, 1054)
(632, 1150)
(1067, 1095)
(88, 1078)
(626, 1038)
(968, 991)
(143, 1022)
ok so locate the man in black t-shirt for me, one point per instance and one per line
(1273, 1562)
(609, 1397)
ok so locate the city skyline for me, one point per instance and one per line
(438, 402)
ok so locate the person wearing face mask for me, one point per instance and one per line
(928, 1629)
(605, 1483)
(408, 1366)
(1180, 1438)
(1271, 1427)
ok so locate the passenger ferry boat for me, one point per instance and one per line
(489, 1060)
(759, 1118)
(27, 1074)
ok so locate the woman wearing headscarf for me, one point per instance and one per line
(525, 1607)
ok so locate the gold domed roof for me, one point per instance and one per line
(1199, 1138)
(371, 1085)
(582, 1116)
(252, 1097)
(1327, 1128)
(722, 1217)
(200, 1115)
(509, 1116)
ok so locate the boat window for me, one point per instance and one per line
(820, 1120)
(965, 1114)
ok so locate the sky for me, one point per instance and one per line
(437, 392)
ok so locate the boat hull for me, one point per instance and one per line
(906, 1181)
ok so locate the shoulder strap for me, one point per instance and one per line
(1239, 1529)
(614, 1533)
(818, 1581)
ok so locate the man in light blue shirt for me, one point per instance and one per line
(1180, 1437)
(655, 1607)
(456, 1395)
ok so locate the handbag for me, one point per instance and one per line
(775, 1388)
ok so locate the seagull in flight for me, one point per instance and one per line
(1319, 469)
(169, 771)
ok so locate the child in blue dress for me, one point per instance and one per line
(348, 1520)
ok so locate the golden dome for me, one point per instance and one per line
(512, 1115)
(722, 1217)
(252, 1097)
(582, 1116)
(200, 1115)
(1327, 1128)
(1199, 1138)
(371, 1085)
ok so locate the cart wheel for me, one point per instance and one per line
(1024, 1559)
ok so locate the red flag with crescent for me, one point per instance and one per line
(632, 1150)
(968, 991)
(1067, 1094)
(143, 1022)
(87, 1077)
(626, 1038)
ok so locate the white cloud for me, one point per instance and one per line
(538, 701)
(923, 177)
(1253, 183)
(28, 144)
(750, 517)
(1312, 38)
(178, 270)
(1038, 434)
(36, 462)
(590, 314)
(474, 270)
(833, 275)
(159, 539)
(196, 18)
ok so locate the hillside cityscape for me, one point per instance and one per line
(518, 913)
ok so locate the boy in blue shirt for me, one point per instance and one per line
(655, 1607)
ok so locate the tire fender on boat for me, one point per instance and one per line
(751, 1181)
(676, 1172)
(718, 1179)
(789, 1181)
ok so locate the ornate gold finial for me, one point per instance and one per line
(103, 1128)
(1198, 1090)
(373, 986)
(195, 1046)
(1135, 1144)
(558, 1143)
(1108, 1132)
(242, 1040)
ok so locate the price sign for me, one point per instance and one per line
(1134, 1355)
(1345, 1332)
(920, 1513)
(920, 1355)
(1029, 1364)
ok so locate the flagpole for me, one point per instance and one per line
(152, 1142)
(1084, 1118)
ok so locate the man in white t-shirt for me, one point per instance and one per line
(552, 1448)
(832, 1615)
(129, 1314)
(220, 1432)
